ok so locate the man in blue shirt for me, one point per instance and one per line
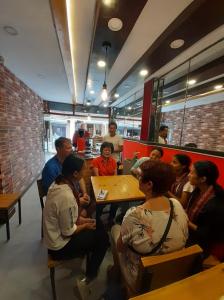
(53, 168)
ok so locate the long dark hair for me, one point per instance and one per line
(184, 160)
(209, 170)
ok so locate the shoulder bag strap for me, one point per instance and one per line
(163, 238)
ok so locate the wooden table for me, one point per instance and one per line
(120, 188)
(7, 203)
(207, 285)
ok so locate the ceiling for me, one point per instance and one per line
(59, 62)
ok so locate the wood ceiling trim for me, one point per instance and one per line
(58, 9)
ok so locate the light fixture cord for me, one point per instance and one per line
(105, 72)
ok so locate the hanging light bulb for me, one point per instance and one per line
(104, 94)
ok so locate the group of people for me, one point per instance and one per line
(183, 205)
(185, 193)
(71, 228)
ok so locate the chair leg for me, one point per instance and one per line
(7, 230)
(52, 273)
(42, 231)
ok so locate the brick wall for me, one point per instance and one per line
(21, 129)
(203, 125)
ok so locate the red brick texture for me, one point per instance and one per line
(203, 125)
(21, 131)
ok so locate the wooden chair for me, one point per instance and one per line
(52, 264)
(42, 194)
(210, 261)
(160, 270)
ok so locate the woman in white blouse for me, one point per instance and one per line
(66, 233)
(143, 226)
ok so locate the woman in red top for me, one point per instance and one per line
(105, 165)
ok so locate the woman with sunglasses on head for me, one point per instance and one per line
(206, 209)
(158, 226)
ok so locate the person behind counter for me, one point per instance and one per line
(163, 133)
(206, 209)
(66, 234)
(155, 154)
(115, 139)
(80, 138)
(143, 227)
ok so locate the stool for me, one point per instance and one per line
(51, 264)
(7, 209)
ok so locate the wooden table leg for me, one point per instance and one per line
(19, 210)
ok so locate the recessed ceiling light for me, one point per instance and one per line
(177, 44)
(192, 81)
(105, 105)
(167, 101)
(115, 24)
(101, 63)
(129, 107)
(88, 103)
(10, 30)
(143, 72)
(218, 87)
(116, 95)
(92, 92)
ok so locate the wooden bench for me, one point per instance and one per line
(206, 285)
(7, 209)
(160, 270)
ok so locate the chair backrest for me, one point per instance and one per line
(161, 270)
(41, 191)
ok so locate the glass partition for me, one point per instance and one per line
(190, 101)
(128, 114)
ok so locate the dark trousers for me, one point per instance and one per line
(112, 211)
(91, 242)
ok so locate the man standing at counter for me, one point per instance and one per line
(115, 139)
(163, 133)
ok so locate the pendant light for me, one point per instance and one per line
(104, 93)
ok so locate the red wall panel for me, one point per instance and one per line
(147, 108)
(132, 146)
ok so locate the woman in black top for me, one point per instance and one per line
(206, 209)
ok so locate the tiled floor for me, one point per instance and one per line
(23, 260)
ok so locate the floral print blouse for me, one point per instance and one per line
(142, 229)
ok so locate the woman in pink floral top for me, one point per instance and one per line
(143, 226)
